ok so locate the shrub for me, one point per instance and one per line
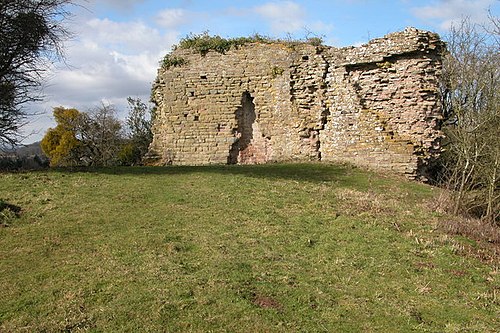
(315, 41)
(130, 154)
(171, 61)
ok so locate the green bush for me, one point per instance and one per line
(130, 154)
(204, 43)
(171, 61)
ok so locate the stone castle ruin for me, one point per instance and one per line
(376, 105)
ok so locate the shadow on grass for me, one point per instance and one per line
(7, 206)
(310, 172)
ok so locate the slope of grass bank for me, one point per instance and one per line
(270, 248)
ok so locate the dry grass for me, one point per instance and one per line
(474, 228)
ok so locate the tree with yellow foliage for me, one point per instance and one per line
(61, 144)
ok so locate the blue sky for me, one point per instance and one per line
(118, 43)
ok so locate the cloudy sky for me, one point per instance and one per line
(118, 43)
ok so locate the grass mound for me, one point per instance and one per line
(267, 248)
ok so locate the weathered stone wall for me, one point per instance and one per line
(376, 105)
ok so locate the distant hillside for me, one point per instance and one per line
(30, 150)
(24, 157)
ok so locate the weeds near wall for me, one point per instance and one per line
(384, 65)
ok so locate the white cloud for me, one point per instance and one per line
(112, 55)
(111, 60)
(127, 36)
(119, 4)
(172, 18)
(283, 16)
(108, 61)
(446, 12)
(286, 17)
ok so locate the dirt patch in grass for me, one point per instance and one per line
(266, 302)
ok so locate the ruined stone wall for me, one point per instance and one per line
(375, 105)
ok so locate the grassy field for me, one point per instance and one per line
(269, 248)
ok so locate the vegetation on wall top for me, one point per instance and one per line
(205, 43)
(172, 61)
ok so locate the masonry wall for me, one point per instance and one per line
(376, 105)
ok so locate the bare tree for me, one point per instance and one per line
(31, 37)
(471, 82)
(102, 136)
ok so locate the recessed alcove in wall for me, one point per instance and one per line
(245, 118)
